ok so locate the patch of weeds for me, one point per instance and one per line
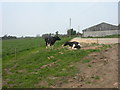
(88, 82)
(106, 46)
(61, 74)
(64, 80)
(93, 50)
(97, 77)
(51, 82)
(4, 86)
(43, 87)
(94, 44)
(89, 65)
(85, 61)
(109, 46)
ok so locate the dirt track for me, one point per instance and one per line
(100, 72)
(97, 40)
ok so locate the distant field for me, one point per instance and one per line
(20, 45)
(34, 63)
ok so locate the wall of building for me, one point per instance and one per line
(100, 33)
(102, 27)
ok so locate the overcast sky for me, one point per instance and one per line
(30, 19)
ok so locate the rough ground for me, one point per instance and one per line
(97, 40)
(100, 72)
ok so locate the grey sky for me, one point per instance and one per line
(30, 19)
(119, 12)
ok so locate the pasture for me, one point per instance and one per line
(27, 63)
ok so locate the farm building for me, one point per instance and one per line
(102, 29)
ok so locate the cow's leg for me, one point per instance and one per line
(46, 45)
(73, 46)
(51, 46)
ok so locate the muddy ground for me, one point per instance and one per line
(100, 72)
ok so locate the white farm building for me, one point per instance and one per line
(102, 29)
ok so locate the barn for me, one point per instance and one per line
(99, 30)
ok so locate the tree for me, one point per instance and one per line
(56, 33)
(71, 32)
(9, 37)
(74, 32)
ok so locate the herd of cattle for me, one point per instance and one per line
(50, 40)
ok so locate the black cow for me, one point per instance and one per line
(73, 45)
(50, 40)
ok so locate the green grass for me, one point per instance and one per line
(85, 61)
(88, 82)
(9, 46)
(25, 71)
(89, 65)
(97, 77)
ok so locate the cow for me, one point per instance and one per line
(73, 45)
(50, 40)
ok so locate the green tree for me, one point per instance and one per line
(56, 33)
(71, 32)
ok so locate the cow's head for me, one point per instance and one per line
(57, 38)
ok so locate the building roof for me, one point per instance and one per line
(102, 27)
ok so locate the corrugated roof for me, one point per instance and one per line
(101, 26)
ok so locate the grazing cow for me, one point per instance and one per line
(73, 45)
(50, 40)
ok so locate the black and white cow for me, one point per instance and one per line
(73, 45)
(50, 40)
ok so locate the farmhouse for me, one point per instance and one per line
(102, 29)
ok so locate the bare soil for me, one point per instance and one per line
(97, 40)
(100, 72)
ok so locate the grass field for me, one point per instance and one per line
(34, 63)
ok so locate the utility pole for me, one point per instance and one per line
(78, 28)
(70, 23)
